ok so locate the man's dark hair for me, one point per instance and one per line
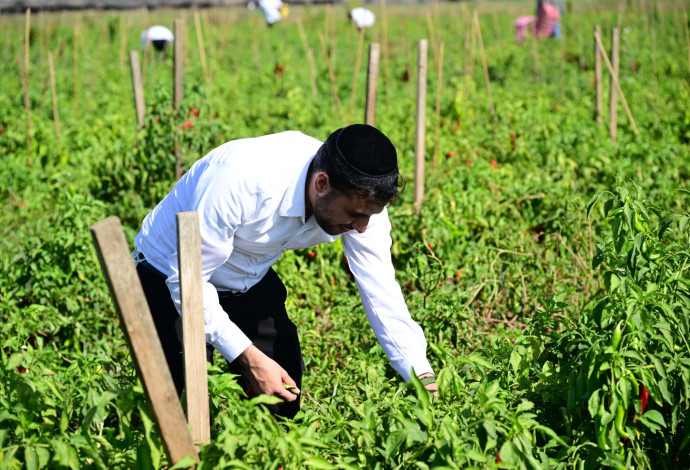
(362, 159)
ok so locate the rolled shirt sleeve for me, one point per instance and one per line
(370, 261)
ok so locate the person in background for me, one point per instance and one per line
(549, 13)
(275, 10)
(159, 36)
(256, 199)
(362, 17)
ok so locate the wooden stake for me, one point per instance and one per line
(360, 46)
(27, 101)
(193, 335)
(439, 83)
(310, 58)
(138, 87)
(200, 42)
(53, 90)
(178, 27)
(140, 332)
(420, 131)
(614, 77)
(613, 98)
(654, 67)
(478, 30)
(372, 84)
(331, 74)
(598, 78)
(123, 41)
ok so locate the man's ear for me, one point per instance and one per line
(322, 184)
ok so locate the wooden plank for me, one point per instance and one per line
(194, 338)
(138, 87)
(372, 84)
(420, 127)
(137, 324)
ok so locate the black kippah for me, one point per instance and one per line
(366, 150)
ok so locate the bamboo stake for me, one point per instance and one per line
(27, 101)
(212, 39)
(598, 79)
(178, 26)
(439, 83)
(372, 82)
(478, 30)
(75, 64)
(200, 42)
(654, 67)
(420, 130)
(386, 52)
(193, 335)
(310, 58)
(615, 81)
(138, 87)
(687, 35)
(331, 74)
(613, 98)
(123, 41)
(432, 33)
(56, 116)
(360, 46)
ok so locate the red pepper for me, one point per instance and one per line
(644, 398)
(498, 457)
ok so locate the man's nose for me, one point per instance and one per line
(360, 224)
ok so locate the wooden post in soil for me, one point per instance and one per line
(140, 332)
(598, 77)
(27, 101)
(200, 42)
(53, 92)
(420, 130)
(358, 61)
(654, 66)
(485, 67)
(178, 27)
(613, 97)
(123, 41)
(193, 335)
(310, 58)
(138, 87)
(439, 84)
(614, 78)
(372, 84)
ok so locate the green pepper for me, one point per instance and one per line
(602, 435)
(619, 422)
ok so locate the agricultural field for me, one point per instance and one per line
(548, 265)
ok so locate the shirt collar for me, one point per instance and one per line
(293, 200)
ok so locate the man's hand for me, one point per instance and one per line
(431, 385)
(266, 375)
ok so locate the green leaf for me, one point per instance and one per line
(593, 403)
(653, 420)
(318, 462)
(185, 462)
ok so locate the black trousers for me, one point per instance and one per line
(260, 313)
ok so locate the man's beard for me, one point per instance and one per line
(322, 213)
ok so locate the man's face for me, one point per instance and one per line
(337, 213)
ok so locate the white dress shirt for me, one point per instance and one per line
(250, 195)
